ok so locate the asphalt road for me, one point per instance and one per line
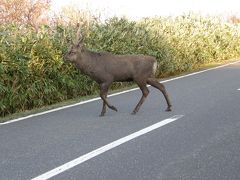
(204, 144)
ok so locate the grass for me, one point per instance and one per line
(77, 100)
(33, 74)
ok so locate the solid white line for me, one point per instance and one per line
(192, 74)
(49, 111)
(103, 149)
(115, 94)
(239, 89)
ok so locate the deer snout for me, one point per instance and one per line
(65, 57)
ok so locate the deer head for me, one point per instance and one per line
(75, 49)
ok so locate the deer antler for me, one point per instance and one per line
(79, 37)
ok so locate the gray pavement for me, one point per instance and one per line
(204, 144)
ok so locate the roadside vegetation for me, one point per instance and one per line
(33, 73)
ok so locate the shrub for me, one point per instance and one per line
(33, 74)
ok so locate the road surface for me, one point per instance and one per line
(199, 139)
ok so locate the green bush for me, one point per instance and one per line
(33, 74)
(195, 40)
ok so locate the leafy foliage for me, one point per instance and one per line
(33, 73)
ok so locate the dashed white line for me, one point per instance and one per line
(105, 148)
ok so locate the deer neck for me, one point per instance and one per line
(85, 63)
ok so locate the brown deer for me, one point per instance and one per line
(106, 68)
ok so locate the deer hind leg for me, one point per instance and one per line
(145, 93)
(154, 82)
(103, 94)
(104, 108)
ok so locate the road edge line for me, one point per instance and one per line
(111, 95)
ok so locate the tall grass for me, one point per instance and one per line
(33, 74)
(196, 40)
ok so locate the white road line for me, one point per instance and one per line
(115, 94)
(105, 148)
(239, 89)
(49, 111)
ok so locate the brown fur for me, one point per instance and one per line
(106, 68)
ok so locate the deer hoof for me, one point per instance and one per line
(133, 113)
(101, 115)
(168, 109)
(113, 108)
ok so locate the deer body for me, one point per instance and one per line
(102, 67)
(106, 68)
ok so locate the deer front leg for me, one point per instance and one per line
(103, 94)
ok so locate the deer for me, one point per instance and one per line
(105, 68)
